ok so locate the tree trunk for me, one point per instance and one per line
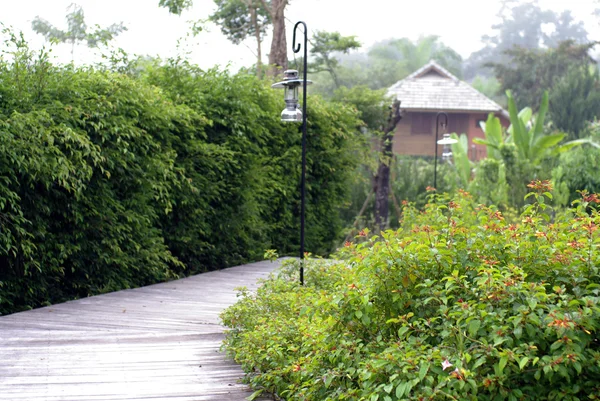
(381, 181)
(278, 55)
(258, 44)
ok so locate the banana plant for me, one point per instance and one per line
(529, 139)
(460, 154)
(494, 137)
(526, 132)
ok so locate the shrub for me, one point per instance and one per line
(88, 173)
(577, 169)
(456, 304)
(575, 100)
(116, 180)
(264, 168)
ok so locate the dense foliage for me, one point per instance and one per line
(111, 181)
(524, 25)
(384, 64)
(530, 72)
(459, 303)
(575, 101)
(577, 170)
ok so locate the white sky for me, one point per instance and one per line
(152, 31)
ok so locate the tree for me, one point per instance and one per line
(77, 30)
(530, 72)
(175, 6)
(324, 47)
(233, 14)
(413, 55)
(386, 63)
(380, 116)
(275, 10)
(239, 19)
(575, 100)
(278, 60)
(381, 181)
(522, 152)
(524, 25)
(578, 170)
(372, 105)
(489, 86)
(565, 28)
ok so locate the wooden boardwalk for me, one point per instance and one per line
(159, 342)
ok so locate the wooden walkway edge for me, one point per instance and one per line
(159, 342)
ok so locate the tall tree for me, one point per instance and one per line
(565, 28)
(175, 6)
(233, 14)
(379, 115)
(278, 59)
(381, 180)
(525, 25)
(386, 63)
(325, 45)
(77, 30)
(413, 55)
(530, 72)
(240, 19)
(575, 100)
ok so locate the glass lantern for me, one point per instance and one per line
(290, 85)
(447, 150)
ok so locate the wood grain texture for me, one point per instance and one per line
(160, 342)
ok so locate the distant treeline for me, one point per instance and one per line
(112, 180)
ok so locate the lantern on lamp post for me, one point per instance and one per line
(447, 149)
(290, 85)
(446, 141)
(292, 113)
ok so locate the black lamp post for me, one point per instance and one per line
(291, 113)
(437, 126)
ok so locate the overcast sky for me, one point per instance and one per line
(151, 30)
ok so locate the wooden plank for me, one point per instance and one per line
(160, 342)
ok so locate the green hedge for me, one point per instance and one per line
(111, 180)
(458, 304)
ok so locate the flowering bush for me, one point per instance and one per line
(460, 303)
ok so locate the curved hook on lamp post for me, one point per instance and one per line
(296, 48)
(437, 126)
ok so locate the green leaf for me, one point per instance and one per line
(571, 144)
(520, 133)
(480, 361)
(401, 389)
(402, 330)
(255, 395)
(518, 332)
(502, 363)
(532, 303)
(493, 135)
(525, 115)
(423, 371)
(543, 143)
(538, 129)
(523, 362)
(474, 326)
(481, 141)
